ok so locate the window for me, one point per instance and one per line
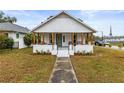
(17, 35)
(6, 34)
(63, 38)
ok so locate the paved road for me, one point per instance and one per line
(63, 71)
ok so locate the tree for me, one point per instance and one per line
(28, 39)
(4, 18)
(1, 16)
(97, 38)
(10, 19)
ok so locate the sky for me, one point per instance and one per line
(101, 20)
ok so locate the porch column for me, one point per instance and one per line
(72, 40)
(38, 38)
(52, 40)
(89, 38)
(69, 43)
(82, 38)
(86, 36)
(43, 38)
(34, 38)
(76, 35)
(69, 38)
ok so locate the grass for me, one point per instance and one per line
(106, 65)
(119, 43)
(23, 66)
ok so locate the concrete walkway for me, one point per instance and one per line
(63, 71)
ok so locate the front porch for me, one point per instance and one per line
(63, 44)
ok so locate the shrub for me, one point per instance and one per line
(9, 43)
(48, 51)
(2, 41)
(38, 52)
(28, 39)
(42, 52)
(87, 53)
(83, 52)
(120, 46)
(6, 42)
(78, 51)
(110, 46)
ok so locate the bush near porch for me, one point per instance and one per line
(6, 42)
(23, 66)
(106, 65)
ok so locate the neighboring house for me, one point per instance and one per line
(113, 38)
(14, 31)
(63, 35)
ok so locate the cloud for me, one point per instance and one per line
(24, 13)
(26, 18)
(120, 11)
(89, 13)
(93, 13)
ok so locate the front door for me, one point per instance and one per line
(59, 40)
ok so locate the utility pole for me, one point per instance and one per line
(102, 35)
(110, 35)
(110, 31)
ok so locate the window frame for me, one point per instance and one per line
(17, 35)
(6, 34)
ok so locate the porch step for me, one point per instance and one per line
(62, 53)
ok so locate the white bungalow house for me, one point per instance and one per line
(14, 31)
(63, 35)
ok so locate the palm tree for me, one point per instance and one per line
(13, 19)
(1, 16)
(4, 18)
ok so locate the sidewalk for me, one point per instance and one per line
(63, 71)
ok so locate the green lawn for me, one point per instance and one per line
(106, 65)
(23, 66)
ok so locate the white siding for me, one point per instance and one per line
(19, 40)
(13, 35)
(83, 49)
(63, 23)
(45, 48)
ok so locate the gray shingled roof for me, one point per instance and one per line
(13, 27)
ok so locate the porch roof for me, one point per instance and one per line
(64, 32)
